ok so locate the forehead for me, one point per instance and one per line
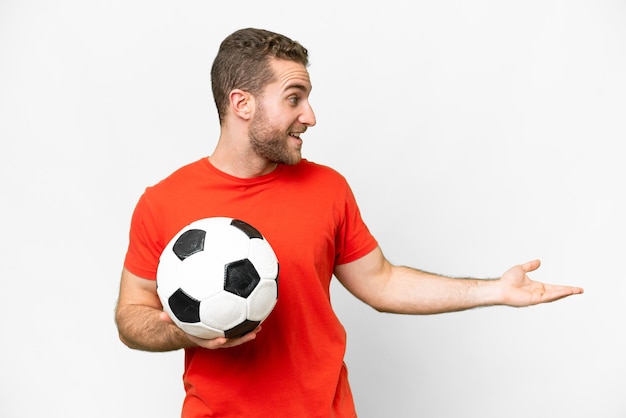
(289, 75)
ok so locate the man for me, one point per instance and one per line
(294, 368)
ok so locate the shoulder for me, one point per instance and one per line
(313, 166)
(181, 179)
(315, 171)
(187, 171)
(316, 179)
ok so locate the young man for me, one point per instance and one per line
(294, 367)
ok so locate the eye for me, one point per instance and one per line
(294, 100)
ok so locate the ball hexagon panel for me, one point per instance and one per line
(263, 258)
(246, 228)
(241, 278)
(241, 329)
(223, 310)
(262, 300)
(184, 307)
(189, 243)
(197, 275)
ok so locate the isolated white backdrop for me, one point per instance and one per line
(476, 135)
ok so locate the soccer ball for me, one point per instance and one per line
(218, 277)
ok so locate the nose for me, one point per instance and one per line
(308, 116)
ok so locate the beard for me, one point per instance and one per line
(272, 143)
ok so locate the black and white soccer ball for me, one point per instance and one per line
(218, 277)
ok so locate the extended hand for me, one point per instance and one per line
(519, 290)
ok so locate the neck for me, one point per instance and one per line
(240, 165)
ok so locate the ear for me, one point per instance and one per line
(241, 103)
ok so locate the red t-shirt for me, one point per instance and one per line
(307, 212)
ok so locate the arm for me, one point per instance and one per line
(389, 288)
(143, 325)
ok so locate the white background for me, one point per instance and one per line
(476, 135)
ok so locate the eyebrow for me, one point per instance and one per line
(298, 86)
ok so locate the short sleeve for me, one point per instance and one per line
(354, 239)
(144, 246)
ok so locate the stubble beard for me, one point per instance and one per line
(271, 143)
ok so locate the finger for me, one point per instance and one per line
(223, 342)
(565, 290)
(531, 266)
(244, 338)
(218, 343)
(556, 292)
(210, 344)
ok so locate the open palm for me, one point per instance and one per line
(519, 290)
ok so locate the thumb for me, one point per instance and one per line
(163, 316)
(531, 266)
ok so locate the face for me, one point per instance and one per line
(282, 113)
